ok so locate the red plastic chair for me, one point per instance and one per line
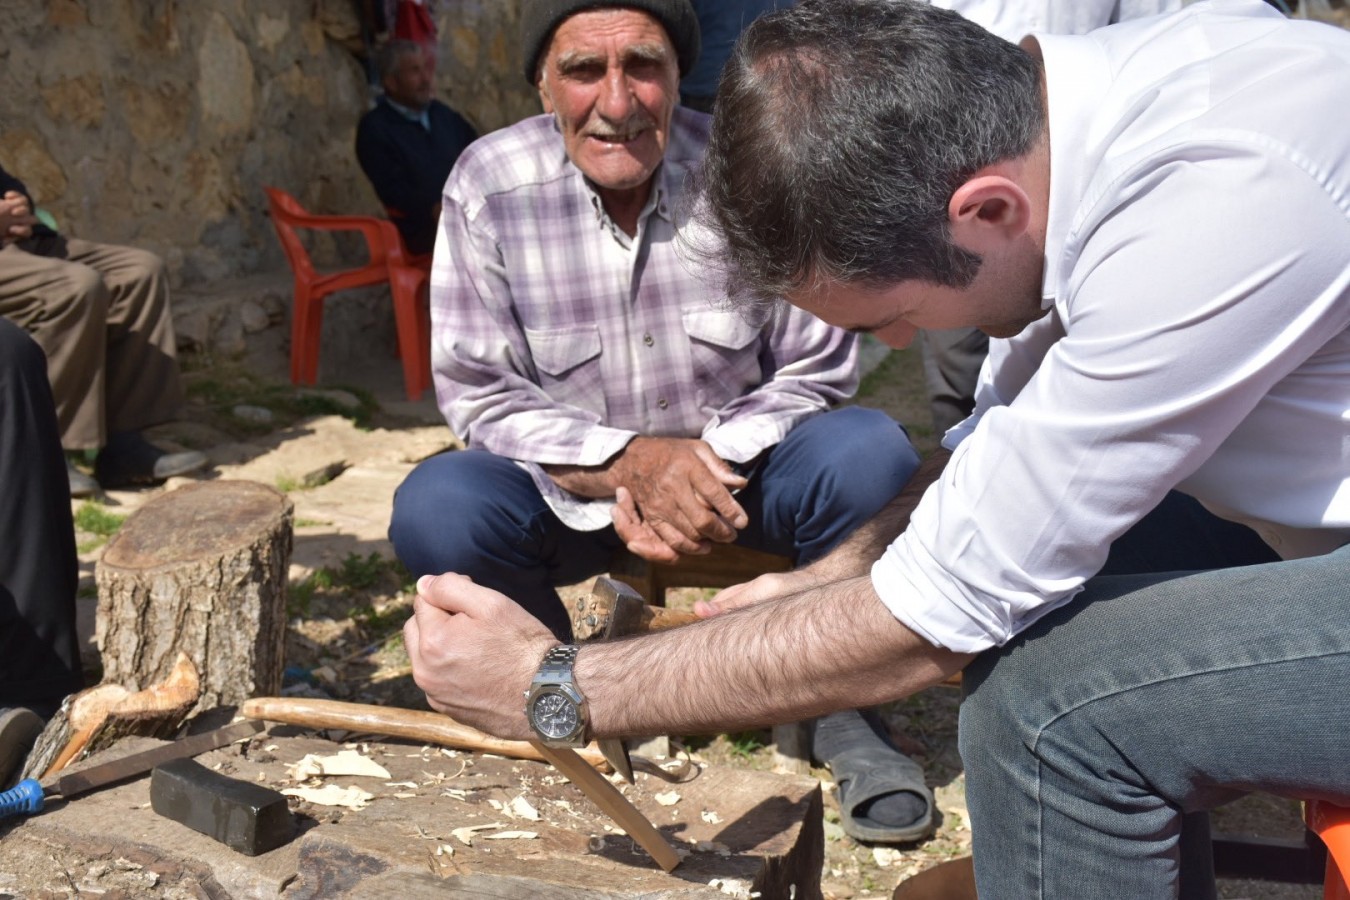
(1331, 823)
(408, 278)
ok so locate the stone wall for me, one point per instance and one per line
(156, 122)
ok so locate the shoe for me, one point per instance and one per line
(19, 730)
(129, 459)
(882, 795)
(81, 485)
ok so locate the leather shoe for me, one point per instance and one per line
(129, 459)
(81, 485)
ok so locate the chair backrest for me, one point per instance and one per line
(286, 213)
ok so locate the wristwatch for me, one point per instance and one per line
(556, 710)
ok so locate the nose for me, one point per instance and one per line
(616, 100)
(898, 335)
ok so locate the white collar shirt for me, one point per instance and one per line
(1013, 21)
(1197, 281)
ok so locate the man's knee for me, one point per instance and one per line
(869, 457)
(452, 511)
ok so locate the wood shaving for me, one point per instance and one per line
(522, 809)
(465, 835)
(343, 763)
(332, 795)
(669, 798)
(511, 835)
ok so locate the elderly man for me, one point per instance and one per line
(409, 142)
(101, 314)
(1160, 233)
(589, 368)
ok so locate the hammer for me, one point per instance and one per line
(613, 609)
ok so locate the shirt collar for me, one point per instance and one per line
(657, 201)
(1077, 78)
(422, 116)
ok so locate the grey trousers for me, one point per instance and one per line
(1096, 741)
(101, 314)
(951, 369)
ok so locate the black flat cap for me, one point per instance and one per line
(539, 18)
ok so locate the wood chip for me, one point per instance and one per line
(332, 795)
(523, 810)
(669, 798)
(465, 835)
(510, 835)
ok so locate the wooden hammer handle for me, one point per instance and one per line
(418, 725)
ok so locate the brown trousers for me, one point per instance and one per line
(101, 314)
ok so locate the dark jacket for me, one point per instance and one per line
(407, 165)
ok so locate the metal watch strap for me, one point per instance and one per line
(557, 665)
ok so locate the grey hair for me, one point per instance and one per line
(391, 53)
(842, 127)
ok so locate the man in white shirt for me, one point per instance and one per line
(952, 357)
(1156, 217)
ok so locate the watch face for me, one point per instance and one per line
(554, 715)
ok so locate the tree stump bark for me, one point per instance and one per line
(201, 570)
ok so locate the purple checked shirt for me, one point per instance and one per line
(557, 339)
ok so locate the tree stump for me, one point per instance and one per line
(201, 570)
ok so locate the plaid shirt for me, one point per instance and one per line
(557, 339)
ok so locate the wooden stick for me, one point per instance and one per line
(611, 802)
(419, 725)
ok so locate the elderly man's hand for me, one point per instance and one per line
(678, 491)
(474, 652)
(16, 217)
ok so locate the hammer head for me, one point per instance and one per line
(613, 609)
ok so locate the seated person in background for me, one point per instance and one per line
(407, 144)
(101, 314)
(39, 657)
(605, 397)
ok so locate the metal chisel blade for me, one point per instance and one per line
(615, 752)
(139, 763)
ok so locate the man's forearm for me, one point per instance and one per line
(856, 554)
(829, 648)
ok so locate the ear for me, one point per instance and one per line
(542, 84)
(988, 210)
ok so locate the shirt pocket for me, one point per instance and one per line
(724, 350)
(568, 363)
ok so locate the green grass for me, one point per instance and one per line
(92, 517)
(355, 575)
(221, 387)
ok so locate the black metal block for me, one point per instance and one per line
(243, 816)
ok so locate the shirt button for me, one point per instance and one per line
(648, 340)
(662, 403)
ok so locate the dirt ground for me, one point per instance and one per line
(345, 614)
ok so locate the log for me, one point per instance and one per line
(201, 570)
(99, 716)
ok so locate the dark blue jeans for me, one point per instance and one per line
(1096, 741)
(480, 515)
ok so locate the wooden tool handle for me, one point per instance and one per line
(656, 618)
(614, 804)
(419, 725)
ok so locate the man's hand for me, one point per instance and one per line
(474, 652)
(681, 490)
(765, 588)
(16, 217)
(676, 495)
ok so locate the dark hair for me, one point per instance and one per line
(842, 128)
